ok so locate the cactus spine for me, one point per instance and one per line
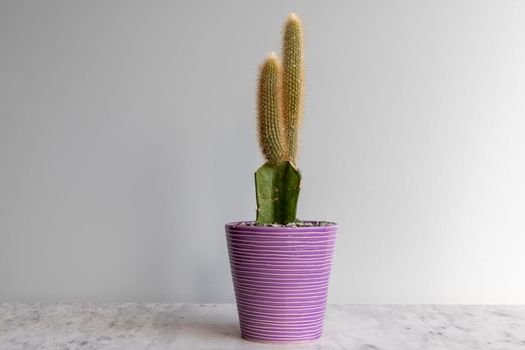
(280, 107)
(270, 123)
(293, 83)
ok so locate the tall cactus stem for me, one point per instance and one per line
(293, 83)
(270, 121)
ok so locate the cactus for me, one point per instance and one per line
(271, 126)
(293, 83)
(277, 187)
(280, 107)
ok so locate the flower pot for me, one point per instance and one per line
(280, 276)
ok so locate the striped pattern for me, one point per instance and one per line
(280, 276)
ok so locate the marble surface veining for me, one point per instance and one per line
(153, 326)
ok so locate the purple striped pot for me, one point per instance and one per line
(280, 276)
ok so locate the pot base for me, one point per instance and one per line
(262, 341)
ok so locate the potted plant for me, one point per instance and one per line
(280, 265)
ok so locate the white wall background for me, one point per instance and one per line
(127, 140)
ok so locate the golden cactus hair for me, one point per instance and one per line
(269, 114)
(292, 83)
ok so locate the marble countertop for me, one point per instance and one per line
(156, 326)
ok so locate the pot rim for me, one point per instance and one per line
(236, 225)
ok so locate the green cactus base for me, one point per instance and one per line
(277, 188)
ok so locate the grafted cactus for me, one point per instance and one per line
(280, 107)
